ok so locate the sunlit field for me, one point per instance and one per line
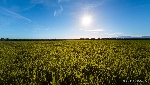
(75, 62)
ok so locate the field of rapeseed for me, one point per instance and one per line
(75, 62)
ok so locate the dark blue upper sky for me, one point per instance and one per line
(74, 18)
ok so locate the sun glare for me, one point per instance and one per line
(86, 20)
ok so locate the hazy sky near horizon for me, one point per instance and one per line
(65, 18)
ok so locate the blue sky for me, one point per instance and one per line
(63, 18)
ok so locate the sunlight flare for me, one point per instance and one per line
(86, 20)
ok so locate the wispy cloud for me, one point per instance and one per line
(41, 28)
(45, 3)
(48, 3)
(62, 1)
(84, 6)
(38, 1)
(91, 4)
(12, 34)
(15, 14)
(29, 7)
(47, 29)
(138, 35)
(57, 12)
(117, 33)
(96, 30)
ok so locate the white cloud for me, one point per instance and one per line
(29, 7)
(38, 1)
(41, 28)
(117, 33)
(49, 3)
(96, 30)
(138, 35)
(47, 29)
(91, 4)
(25, 29)
(45, 3)
(15, 14)
(62, 1)
(57, 12)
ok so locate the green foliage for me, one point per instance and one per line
(75, 62)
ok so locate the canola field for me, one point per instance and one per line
(75, 62)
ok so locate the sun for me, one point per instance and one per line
(86, 20)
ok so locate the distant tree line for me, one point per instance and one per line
(115, 39)
(7, 39)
